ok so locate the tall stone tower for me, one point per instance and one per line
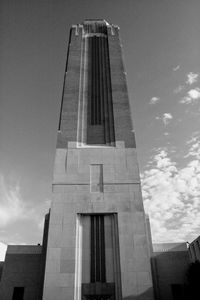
(97, 243)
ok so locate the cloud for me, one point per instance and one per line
(13, 208)
(194, 146)
(3, 248)
(154, 100)
(192, 78)
(179, 89)
(192, 97)
(194, 93)
(39, 213)
(171, 198)
(166, 117)
(176, 68)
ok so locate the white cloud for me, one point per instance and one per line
(14, 208)
(40, 212)
(171, 198)
(194, 146)
(11, 204)
(194, 93)
(186, 100)
(166, 118)
(192, 96)
(194, 138)
(179, 89)
(154, 100)
(176, 68)
(3, 248)
(192, 78)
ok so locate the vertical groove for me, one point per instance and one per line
(97, 266)
(102, 87)
(97, 250)
(117, 272)
(90, 79)
(98, 96)
(78, 260)
(107, 125)
(92, 265)
(92, 83)
(98, 83)
(105, 99)
(87, 62)
(103, 266)
(100, 253)
(110, 101)
(95, 78)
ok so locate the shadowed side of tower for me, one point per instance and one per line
(97, 242)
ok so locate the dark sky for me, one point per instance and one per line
(161, 42)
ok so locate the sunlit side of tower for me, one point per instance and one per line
(97, 242)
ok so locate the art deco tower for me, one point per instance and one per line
(97, 243)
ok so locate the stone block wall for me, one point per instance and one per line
(73, 195)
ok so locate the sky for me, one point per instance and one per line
(161, 47)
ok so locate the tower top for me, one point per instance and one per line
(95, 21)
(93, 26)
(95, 108)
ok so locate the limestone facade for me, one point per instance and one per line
(96, 176)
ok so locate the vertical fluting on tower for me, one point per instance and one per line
(96, 108)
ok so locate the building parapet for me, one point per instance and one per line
(24, 249)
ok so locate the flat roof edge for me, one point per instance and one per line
(24, 249)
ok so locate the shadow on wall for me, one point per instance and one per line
(147, 295)
(193, 275)
(169, 269)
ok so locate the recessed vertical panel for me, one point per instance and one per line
(109, 249)
(95, 114)
(103, 249)
(93, 250)
(100, 120)
(86, 248)
(116, 255)
(78, 259)
(96, 178)
(98, 267)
